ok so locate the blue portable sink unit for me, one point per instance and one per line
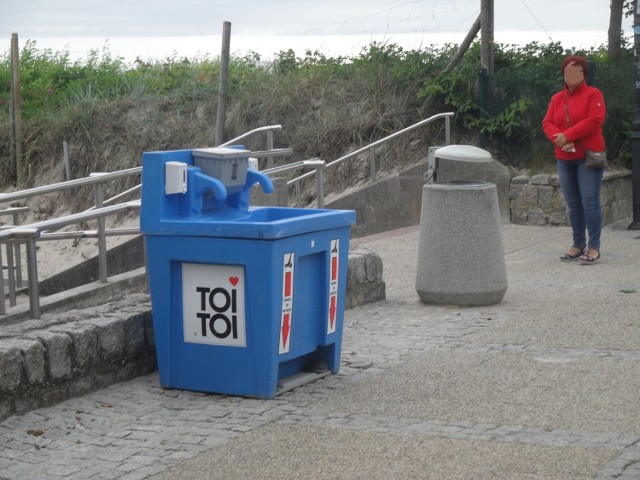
(245, 301)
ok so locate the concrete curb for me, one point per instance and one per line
(364, 277)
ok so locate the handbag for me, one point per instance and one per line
(595, 159)
(592, 159)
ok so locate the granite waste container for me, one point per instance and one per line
(460, 253)
(245, 300)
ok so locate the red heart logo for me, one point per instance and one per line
(233, 280)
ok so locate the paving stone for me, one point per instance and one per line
(136, 429)
(11, 366)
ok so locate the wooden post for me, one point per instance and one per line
(464, 46)
(486, 41)
(16, 108)
(67, 165)
(635, 125)
(224, 81)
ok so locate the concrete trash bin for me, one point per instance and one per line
(461, 253)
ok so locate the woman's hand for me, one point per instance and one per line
(560, 139)
(569, 147)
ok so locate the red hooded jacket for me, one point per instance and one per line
(586, 113)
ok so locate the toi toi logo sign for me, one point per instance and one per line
(213, 304)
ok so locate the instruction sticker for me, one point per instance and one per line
(287, 303)
(333, 286)
(213, 304)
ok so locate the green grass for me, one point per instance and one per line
(110, 112)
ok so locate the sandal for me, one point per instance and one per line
(569, 256)
(587, 259)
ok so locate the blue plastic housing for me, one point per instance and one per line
(242, 297)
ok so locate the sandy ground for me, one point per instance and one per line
(57, 255)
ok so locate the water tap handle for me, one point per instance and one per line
(240, 200)
(254, 176)
(199, 184)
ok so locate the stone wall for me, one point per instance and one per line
(63, 355)
(364, 277)
(46, 361)
(538, 200)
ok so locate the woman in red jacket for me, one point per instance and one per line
(574, 124)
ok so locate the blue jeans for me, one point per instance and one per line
(581, 187)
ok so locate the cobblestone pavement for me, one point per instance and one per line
(492, 400)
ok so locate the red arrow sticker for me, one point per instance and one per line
(287, 283)
(332, 314)
(287, 303)
(334, 268)
(286, 327)
(333, 286)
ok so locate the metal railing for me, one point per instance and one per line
(316, 164)
(371, 149)
(28, 234)
(97, 180)
(14, 235)
(270, 152)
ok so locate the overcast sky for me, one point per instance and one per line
(56, 23)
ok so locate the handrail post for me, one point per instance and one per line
(32, 266)
(102, 238)
(11, 275)
(270, 147)
(298, 195)
(447, 130)
(372, 161)
(16, 247)
(320, 185)
(2, 307)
